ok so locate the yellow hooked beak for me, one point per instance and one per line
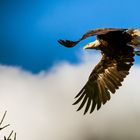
(89, 45)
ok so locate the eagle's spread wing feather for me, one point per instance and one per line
(105, 78)
(100, 31)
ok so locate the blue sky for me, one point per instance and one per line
(30, 30)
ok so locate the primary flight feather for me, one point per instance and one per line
(117, 47)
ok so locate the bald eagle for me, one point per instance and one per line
(118, 48)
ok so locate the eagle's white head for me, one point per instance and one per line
(135, 42)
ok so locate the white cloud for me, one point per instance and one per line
(40, 106)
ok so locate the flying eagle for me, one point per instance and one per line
(118, 48)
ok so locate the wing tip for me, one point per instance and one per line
(68, 43)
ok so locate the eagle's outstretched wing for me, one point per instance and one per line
(100, 31)
(105, 78)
